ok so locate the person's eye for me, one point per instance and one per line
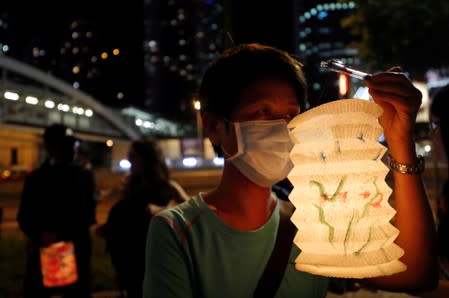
(291, 116)
(263, 112)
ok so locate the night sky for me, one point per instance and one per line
(120, 24)
(117, 26)
(49, 17)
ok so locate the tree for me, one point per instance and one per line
(408, 33)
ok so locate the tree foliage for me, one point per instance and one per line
(413, 34)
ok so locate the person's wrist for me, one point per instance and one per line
(402, 153)
(402, 150)
(413, 168)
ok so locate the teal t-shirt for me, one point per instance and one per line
(191, 253)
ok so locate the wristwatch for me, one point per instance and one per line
(410, 169)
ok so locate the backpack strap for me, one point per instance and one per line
(271, 278)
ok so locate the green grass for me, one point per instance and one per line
(12, 265)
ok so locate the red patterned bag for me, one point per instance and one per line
(58, 264)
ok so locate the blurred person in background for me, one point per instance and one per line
(147, 189)
(439, 126)
(58, 204)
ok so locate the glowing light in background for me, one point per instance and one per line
(125, 164)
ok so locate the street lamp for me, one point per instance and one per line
(199, 126)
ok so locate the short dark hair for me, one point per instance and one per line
(56, 134)
(152, 158)
(242, 65)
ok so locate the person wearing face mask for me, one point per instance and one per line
(218, 243)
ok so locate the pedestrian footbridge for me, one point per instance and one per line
(31, 99)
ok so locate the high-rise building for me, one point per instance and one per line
(94, 47)
(320, 36)
(262, 21)
(180, 39)
(84, 43)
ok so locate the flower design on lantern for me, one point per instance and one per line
(340, 194)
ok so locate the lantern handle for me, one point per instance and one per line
(338, 66)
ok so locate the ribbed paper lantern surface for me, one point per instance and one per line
(340, 194)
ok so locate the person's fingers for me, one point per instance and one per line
(407, 92)
(391, 89)
(386, 96)
(393, 77)
(394, 73)
(410, 100)
(393, 82)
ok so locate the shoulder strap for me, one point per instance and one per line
(274, 271)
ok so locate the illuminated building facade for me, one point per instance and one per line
(319, 36)
(180, 39)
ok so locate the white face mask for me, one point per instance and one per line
(263, 149)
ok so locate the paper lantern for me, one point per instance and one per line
(340, 194)
(58, 264)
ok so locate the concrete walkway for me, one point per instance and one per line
(102, 294)
(441, 292)
(107, 294)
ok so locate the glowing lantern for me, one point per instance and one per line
(58, 264)
(340, 194)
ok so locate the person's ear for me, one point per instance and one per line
(211, 125)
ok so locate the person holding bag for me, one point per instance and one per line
(56, 210)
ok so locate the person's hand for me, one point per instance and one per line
(400, 101)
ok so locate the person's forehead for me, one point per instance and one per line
(273, 101)
(268, 91)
